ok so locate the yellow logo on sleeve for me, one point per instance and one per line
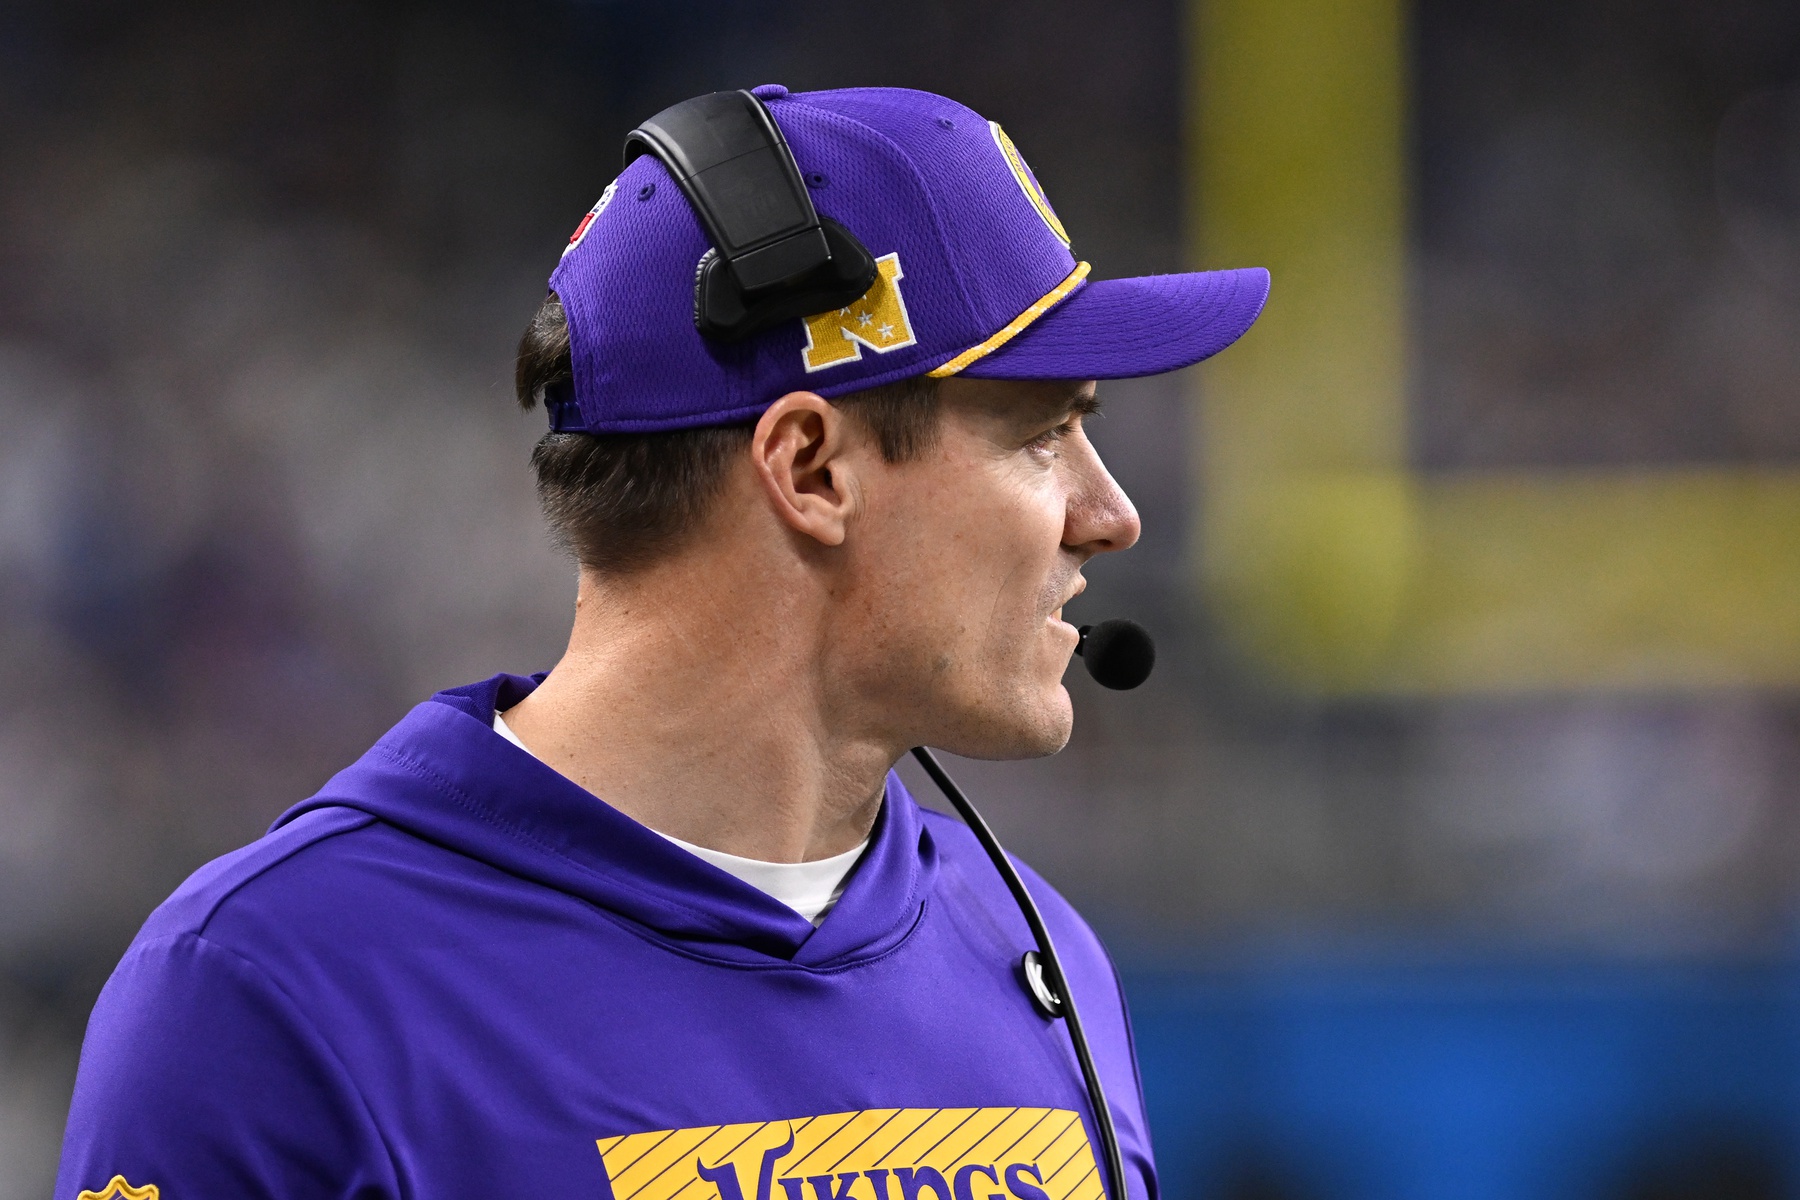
(878, 320)
(874, 1154)
(117, 1189)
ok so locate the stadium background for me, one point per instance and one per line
(1431, 876)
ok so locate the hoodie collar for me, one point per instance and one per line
(443, 774)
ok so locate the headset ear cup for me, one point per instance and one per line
(852, 266)
(720, 313)
(723, 312)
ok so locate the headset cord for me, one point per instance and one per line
(1053, 972)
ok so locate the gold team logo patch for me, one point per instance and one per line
(874, 1154)
(1028, 182)
(878, 321)
(117, 1189)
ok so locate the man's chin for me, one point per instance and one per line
(1031, 730)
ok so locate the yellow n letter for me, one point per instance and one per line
(877, 321)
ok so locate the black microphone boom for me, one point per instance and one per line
(1046, 960)
(1118, 654)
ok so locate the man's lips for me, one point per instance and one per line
(1057, 613)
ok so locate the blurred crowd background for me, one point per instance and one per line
(263, 486)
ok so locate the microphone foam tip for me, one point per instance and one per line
(1119, 654)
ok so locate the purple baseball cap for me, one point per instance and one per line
(975, 278)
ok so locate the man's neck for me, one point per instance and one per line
(705, 721)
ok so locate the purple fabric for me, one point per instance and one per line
(453, 971)
(911, 174)
(1120, 328)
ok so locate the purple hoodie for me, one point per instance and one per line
(455, 973)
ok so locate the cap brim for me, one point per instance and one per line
(1121, 328)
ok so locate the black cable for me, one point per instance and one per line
(1109, 1137)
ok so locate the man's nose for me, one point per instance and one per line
(1101, 516)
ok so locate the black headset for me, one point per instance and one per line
(774, 258)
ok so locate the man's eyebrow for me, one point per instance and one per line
(1076, 402)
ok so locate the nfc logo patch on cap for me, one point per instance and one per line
(878, 320)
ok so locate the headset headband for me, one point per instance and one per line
(773, 257)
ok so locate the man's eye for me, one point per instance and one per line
(1048, 439)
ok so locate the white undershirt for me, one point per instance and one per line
(809, 888)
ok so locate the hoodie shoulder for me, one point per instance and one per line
(958, 845)
(195, 902)
(1091, 970)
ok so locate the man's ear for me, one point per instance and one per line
(800, 451)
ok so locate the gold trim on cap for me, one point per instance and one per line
(1014, 327)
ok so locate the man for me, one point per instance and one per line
(662, 925)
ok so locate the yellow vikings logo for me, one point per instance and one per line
(117, 1189)
(878, 321)
(874, 1154)
(1028, 182)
